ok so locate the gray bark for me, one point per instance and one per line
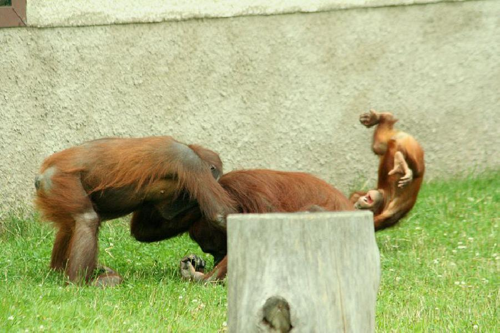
(319, 271)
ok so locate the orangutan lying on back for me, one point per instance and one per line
(400, 174)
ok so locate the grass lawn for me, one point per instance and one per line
(440, 273)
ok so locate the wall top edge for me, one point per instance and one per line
(57, 13)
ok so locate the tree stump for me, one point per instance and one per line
(302, 272)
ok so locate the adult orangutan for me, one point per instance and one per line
(258, 191)
(82, 186)
(400, 174)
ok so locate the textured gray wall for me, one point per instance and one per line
(280, 92)
(54, 13)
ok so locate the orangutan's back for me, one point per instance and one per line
(260, 191)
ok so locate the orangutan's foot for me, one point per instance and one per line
(192, 267)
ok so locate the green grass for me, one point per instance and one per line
(440, 273)
(440, 268)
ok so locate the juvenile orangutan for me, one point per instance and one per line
(400, 174)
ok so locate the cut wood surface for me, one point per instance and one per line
(318, 271)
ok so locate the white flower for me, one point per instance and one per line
(11, 318)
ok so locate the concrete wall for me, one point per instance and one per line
(278, 91)
(50, 13)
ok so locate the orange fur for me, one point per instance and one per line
(261, 191)
(79, 187)
(397, 201)
(119, 162)
(265, 191)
